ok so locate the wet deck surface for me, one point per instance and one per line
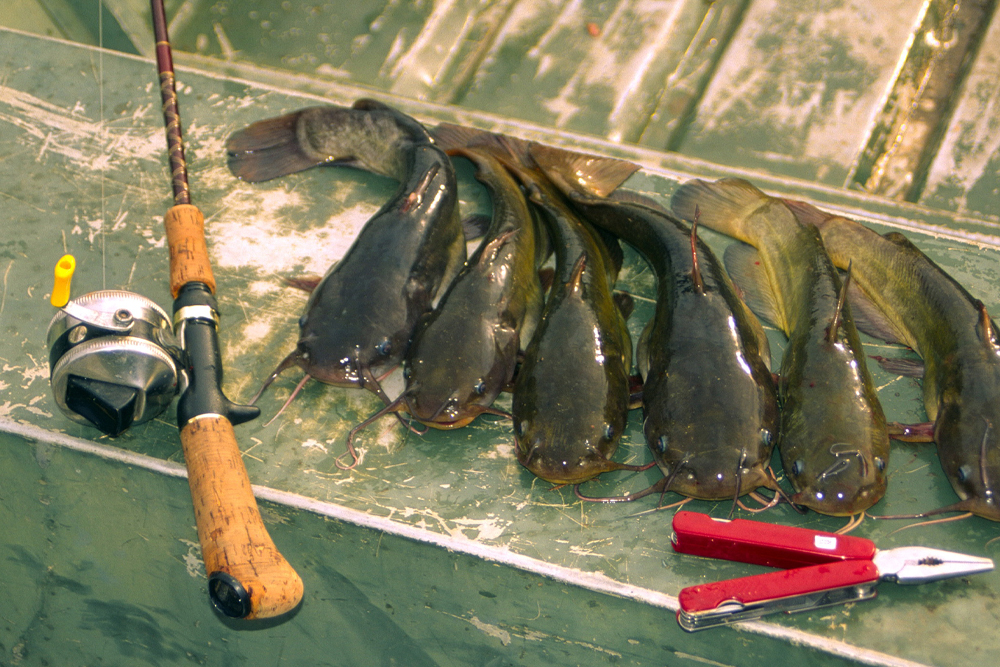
(750, 93)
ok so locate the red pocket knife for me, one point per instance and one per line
(820, 569)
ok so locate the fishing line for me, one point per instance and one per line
(101, 135)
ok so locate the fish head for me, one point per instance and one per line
(453, 374)
(566, 452)
(838, 478)
(716, 472)
(710, 442)
(967, 433)
(345, 365)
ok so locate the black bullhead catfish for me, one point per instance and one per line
(929, 311)
(571, 394)
(359, 317)
(709, 404)
(833, 438)
(464, 352)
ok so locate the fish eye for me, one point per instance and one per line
(407, 371)
(480, 388)
(798, 467)
(765, 437)
(520, 428)
(879, 463)
(384, 347)
(302, 322)
(661, 444)
(609, 431)
(963, 474)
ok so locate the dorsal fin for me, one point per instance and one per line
(699, 285)
(838, 316)
(985, 327)
(572, 171)
(576, 278)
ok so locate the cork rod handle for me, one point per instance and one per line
(188, 253)
(248, 577)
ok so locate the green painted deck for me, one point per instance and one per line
(440, 549)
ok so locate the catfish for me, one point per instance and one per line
(572, 392)
(833, 438)
(464, 352)
(710, 411)
(928, 310)
(359, 318)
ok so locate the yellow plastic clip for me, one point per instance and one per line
(64, 276)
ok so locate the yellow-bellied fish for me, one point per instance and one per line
(833, 439)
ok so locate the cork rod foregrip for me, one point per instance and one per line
(188, 253)
(248, 577)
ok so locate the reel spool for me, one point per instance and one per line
(113, 360)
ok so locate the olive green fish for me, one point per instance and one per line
(833, 439)
(571, 394)
(709, 404)
(930, 312)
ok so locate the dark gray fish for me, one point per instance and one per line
(709, 404)
(571, 394)
(359, 318)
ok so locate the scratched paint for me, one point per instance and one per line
(799, 91)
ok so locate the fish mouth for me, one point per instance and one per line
(446, 425)
(449, 414)
(839, 503)
(558, 471)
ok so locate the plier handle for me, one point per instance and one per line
(819, 569)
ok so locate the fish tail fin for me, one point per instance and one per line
(471, 142)
(268, 149)
(579, 172)
(451, 137)
(462, 139)
(722, 204)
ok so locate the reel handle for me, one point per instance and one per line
(248, 577)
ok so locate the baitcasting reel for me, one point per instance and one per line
(114, 360)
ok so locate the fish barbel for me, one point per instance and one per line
(833, 438)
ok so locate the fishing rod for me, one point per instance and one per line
(247, 576)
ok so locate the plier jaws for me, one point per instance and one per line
(917, 565)
(818, 569)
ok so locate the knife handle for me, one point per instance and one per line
(763, 543)
(801, 589)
